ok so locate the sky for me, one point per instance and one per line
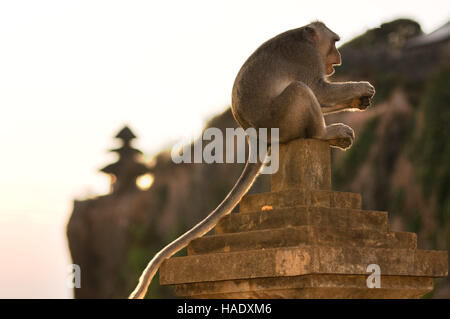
(72, 73)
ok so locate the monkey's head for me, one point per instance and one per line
(325, 41)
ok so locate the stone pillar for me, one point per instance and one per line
(304, 163)
(303, 240)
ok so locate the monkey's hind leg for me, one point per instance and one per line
(339, 135)
(297, 113)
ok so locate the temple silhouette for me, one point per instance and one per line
(128, 168)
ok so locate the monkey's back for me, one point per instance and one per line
(268, 71)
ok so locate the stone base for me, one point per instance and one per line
(303, 260)
(302, 240)
(303, 252)
(308, 286)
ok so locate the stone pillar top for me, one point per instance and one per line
(303, 163)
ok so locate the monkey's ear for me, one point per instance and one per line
(310, 34)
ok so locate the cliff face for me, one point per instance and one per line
(399, 163)
(99, 231)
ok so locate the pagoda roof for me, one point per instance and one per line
(119, 167)
(125, 134)
(126, 149)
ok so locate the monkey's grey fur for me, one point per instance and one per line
(282, 85)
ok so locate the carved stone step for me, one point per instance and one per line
(306, 260)
(300, 216)
(309, 286)
(301, 235)
(300, 197)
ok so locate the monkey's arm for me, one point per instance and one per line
(336, 96)
(358, 103)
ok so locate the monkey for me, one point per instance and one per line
(290, 73)
(283, 84)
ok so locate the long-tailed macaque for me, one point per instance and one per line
(283, 84)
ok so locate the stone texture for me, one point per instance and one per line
(300, 197)
(311, 162)
(301, 235)
(297, 261)
(303, 240)
(299, 216)
(308, 286)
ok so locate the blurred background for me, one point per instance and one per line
(81, 78)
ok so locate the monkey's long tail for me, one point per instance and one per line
(245, 181)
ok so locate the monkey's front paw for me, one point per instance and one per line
(365, 92)
(365, 89)
(360, 103)
(340, 135)
(363, 102)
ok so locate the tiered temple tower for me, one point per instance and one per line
(303, 240)
(128, 168)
